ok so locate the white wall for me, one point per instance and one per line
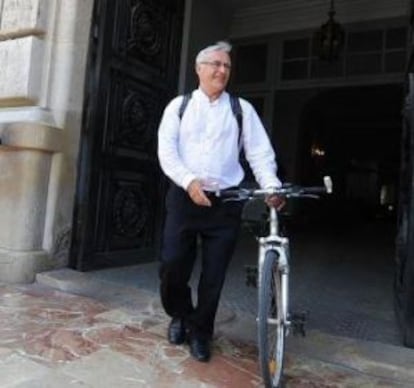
(43, 52)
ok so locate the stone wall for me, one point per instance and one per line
(22, 29)
(43, 50)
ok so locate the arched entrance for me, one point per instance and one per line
(344, 246)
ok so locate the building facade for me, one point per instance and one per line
(83, 84)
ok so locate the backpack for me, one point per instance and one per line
(238, 115)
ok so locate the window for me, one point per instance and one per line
(295, 59)
(251, 64)
(365, 53)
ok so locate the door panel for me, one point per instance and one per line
(132, 74)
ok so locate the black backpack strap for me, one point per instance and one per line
(238, 114)
(184, 103)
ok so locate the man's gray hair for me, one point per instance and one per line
(219, 46)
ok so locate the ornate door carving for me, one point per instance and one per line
(132, 73)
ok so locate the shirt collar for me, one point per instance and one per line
(199, 94)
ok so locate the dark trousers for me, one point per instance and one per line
(217, 227)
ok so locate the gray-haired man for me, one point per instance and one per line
(199, 152)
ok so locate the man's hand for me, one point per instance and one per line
(275, 201)
(197, 194)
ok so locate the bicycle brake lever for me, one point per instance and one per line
(313, 196)
(234, 199)
(301, 195)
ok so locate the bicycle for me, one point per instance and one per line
(273, 317)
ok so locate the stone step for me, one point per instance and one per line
(390, 363)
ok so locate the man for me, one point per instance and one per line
(199, 152)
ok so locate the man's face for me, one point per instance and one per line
(214, 72)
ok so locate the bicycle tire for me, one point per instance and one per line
(271, 335)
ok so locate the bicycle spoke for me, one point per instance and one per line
(271, 328)
(273, 325)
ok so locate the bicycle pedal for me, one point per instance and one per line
(298, 321)
(251, 275)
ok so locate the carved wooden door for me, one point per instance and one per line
(132, 73)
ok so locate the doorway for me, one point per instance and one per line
(353, 134)
(344, 245)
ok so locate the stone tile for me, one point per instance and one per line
(305, 372)
(53, 379)
(59, 345)
(366, 357)
(224, 372)
(145, 318)
(108, 369)
(47, 325)
(5, 352)
(16, 369)
(152, 349)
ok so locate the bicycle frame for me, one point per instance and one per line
(280, 244)
(278, 321)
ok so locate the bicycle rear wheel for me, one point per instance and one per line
(271, 329)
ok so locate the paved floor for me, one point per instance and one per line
(341, 277)
(107, 329)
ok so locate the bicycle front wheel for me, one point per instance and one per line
(271, 329)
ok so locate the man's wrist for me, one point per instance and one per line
(187, 180)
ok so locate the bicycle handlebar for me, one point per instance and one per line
(287, 190)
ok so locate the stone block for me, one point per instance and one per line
(33, 136)
(24, 177)
(15, 67)
(22, 267)
(25, 165)
(21, 67)
(19, 14)
(74, 21)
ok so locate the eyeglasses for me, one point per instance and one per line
(217, 64)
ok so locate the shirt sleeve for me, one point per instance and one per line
(168, 145)
(258, 148)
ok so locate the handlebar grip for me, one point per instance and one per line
(327, 181)
(327, 189)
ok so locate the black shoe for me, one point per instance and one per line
(200, 348)
(176, 331)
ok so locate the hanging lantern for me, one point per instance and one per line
(329, 39)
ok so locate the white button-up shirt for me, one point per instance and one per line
(204, 143)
